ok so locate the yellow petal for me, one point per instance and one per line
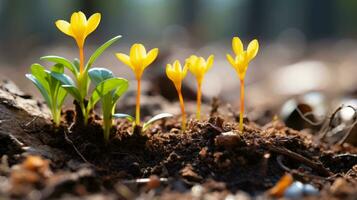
(134, 56)
(125, 59)
(237, 45)
(169, 71)
(177, 66)
(65, 27)
(210, 60)
(141, 51)
(184, 71)
(252, 49)
(172, 74)
(231, 61)
(78, 22)
(151, 56)
(78, 26)
(191, 60)
(242, 63)
(93, 23)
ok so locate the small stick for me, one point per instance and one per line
(75, 148)
(316, 166)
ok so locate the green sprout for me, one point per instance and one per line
(78, 89)
(146, 124)
(50, 88)
(101, 77)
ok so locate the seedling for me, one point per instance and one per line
(138, 60)
(146, 124)
(240, 64)
(50, 88)
(176, 74)
(198, 66)
(108, 99)
(79, 28)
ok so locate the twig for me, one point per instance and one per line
(216, 128)
(305, 115)
(318, 167)
(279, 159)
(75, 148)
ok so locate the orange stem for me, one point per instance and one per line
(137, 116)
(241, 114)
(199, 94)
(182, 105)
(81, 60)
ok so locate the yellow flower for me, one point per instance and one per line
(242, 58)
(138, 59)
(79, 27)
(198, 66)
(176, 73)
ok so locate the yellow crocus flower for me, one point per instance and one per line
(138, 60)
(198, 66)
(176, 74)
(240, 64)
(242, 58)
(79, 28)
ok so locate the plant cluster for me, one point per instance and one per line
(54, 84)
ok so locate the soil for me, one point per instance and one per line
(212, 159)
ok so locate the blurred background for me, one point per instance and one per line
(307, 47)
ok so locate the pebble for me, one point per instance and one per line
(310, 190)
(197, 191)
(228, 140)
(297, 190)
(154, 182)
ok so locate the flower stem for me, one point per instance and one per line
(182, 105)
(137, 115)
(199, 94)
(81, 60)
(241, 114)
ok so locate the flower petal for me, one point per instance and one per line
(231, 61)
(210, 60)
(184, 71)
(252, 49)
(93, 23)
(151, 56)
(177, 66)
(78, 26)
(134, 55)
(125, 59)
(237, 45)
(65, 27)
(170, 73)
(78, 22)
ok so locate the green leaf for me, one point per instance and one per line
(73, 91)
(64, 62)
(120, 90)
(155, 118)
(54, 84)
(39, 72)
(61, 96)
(122, 115)
(98, 75)
(99, 51)
(68, 84)
(41, 88)
(76, 63)
(103, 88)
(63, 78)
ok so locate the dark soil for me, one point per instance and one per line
(210, 158)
